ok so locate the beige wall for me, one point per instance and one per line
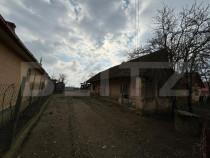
(11, 68)
(143, 94)
(10, 65)
(12, 71)
(115, 87)
(111, 87)
(195, 94)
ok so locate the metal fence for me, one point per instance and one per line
(8, 97)
(17, 109)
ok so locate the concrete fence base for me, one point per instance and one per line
(187, 123)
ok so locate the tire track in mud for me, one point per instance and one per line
(79, 149)
(117, 129)
(133, 142)
(129, 142)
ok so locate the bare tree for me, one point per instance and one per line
(62, 77)
(137, 52)
(204, 70)
(194, 42)
(52, 74)
(185, 37)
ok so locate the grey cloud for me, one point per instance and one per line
(104, 17)
(78, 28)
(43, 50)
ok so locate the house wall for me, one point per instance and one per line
(111, 88)
(12, 72)
(94, 91)
(136, 89)
(195, 94)
(151, 101)
(142, 95)
(10, 65)
(115, 86)
(11, 68)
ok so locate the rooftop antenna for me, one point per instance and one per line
(40, 61)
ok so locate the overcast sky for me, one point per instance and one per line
(79, 37)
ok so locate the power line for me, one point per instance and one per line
(135, 26)
(138, 25)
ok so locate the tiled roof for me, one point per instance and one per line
(119, 72)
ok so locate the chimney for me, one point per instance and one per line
(11, 25)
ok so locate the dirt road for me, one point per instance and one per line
(88, 127)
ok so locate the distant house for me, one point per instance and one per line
(85, 86)
(197, 86)
(205, 89)
(17, 61)
(205, 93)
(141, 91)
(59, 87)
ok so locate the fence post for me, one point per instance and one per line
(16, 112)
(32, 88)
(41, 95)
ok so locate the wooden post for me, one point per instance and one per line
(20, 96)
(41, 92)
(32, 88)
(110, 92)
(40, 84)
(16, 112)
(206, 141)
(122, 92)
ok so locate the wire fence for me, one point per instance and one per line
(18, 104)
(8, 97)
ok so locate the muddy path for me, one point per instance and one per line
(111, 131)
(89, 127)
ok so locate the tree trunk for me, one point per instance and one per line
(208, 99)
(189, 101)
(174, 105)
